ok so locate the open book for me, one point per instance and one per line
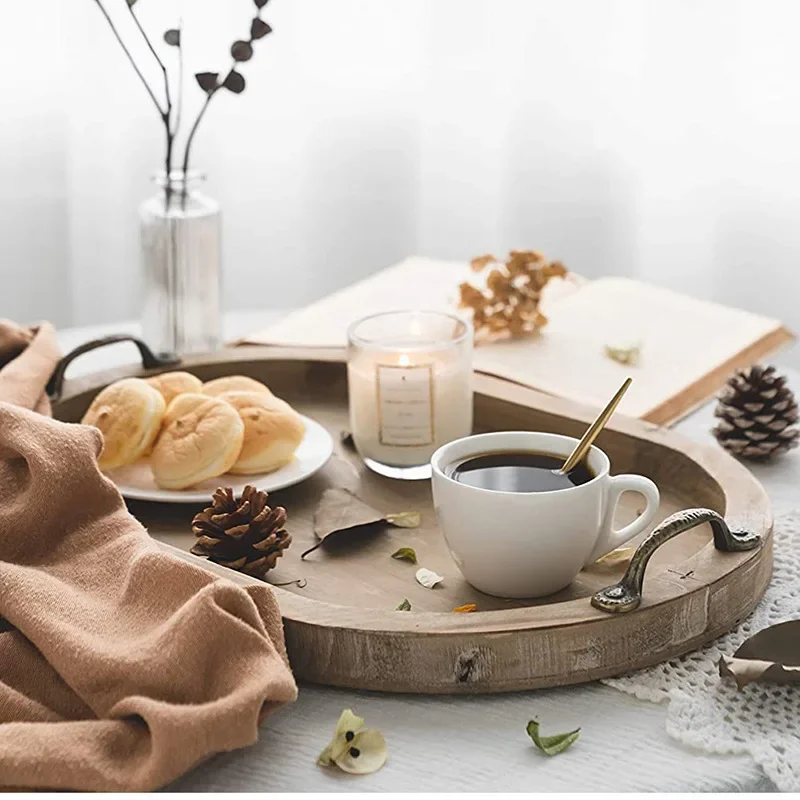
(688, 347)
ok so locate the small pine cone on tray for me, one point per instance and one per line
(246, 534)
(757, 415)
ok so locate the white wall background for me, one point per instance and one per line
(656, 138)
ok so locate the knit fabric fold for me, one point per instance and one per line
(121, 666)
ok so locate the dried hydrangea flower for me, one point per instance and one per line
(508, 304)
(354, 748)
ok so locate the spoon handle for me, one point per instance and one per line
(582, 448)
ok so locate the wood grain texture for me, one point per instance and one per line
(342, 630)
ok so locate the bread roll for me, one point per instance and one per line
(128, 414)
(171, 384)
(273, 430)
(233, 383)
(201, 438)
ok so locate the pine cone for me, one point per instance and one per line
(242, 534)
(757, 414)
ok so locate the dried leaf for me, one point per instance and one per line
(354, 748)
(771, 655)
(405, 519)
(342, 520)
(173, 37)
(259, 29)
(624, 353)
(234, 82)
(404, 606)
(428, 578)
(468, 608)
(552, 745)
(241, 50)
(405, 554)
(208, 81)
(616, 557)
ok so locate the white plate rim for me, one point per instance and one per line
(268, 482)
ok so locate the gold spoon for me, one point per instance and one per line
(582, 448)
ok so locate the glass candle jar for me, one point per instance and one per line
(410, 382)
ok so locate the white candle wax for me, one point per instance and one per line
(404, 405)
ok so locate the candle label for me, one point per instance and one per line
(405, 405)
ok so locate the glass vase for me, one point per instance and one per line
(180, 236)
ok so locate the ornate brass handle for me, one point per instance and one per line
(627, 594)
(150, 360)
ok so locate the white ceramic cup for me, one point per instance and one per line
(531, 544)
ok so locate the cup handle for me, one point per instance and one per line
(609, 539)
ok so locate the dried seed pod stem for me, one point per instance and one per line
(170, 114)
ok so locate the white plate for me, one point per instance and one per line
(136, 481)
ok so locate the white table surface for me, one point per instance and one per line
(473, 743)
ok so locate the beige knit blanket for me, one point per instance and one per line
(121, 667)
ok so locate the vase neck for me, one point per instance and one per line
(178, 180)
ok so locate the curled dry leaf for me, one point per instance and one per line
(467, 608)
(627, 353)
(428, 578)
(405, 519)
(405, 554)
(342, 520)
(616, 557)
(404, 606)
(354, 748)
(771, 656)
(551, 745)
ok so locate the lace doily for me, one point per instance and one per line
(710, 714)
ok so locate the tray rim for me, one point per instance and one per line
(748, 507)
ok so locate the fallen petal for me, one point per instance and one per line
(366, 753)
(428, 578)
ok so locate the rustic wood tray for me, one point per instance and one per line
(342, 629)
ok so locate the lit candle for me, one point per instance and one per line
(410, 383)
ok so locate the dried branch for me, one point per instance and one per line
(166, 116)
(130, 58)
(241, 50)
(179, 108)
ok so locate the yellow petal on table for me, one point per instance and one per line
(348, 723)
(366, 753)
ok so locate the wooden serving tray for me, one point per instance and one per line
(342, 628)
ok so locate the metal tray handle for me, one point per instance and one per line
(627, 594)
(150, 360)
